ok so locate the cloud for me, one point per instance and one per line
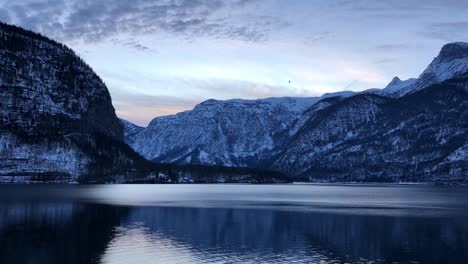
(94, 21)
(385, 61)
(228, 89)
(391, 47)
(134, 44)
(317, 37)
(449, 31)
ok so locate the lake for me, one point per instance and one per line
(233, 224)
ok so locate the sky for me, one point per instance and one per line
(160, 57)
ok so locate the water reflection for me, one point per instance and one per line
(244, 235)
(56, 233)
(82, 231)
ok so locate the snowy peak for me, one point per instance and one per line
(341, 94)
(395, 81)
(328, 136)
(452, 62)
(295, 104)
(453, 51)
(397, 86)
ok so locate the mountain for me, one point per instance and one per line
(396, 86)
(130, 129)
(419, 137)
(58, 122)
(412, 130)
(230, 133)
(452, 62)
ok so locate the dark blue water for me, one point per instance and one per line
(233, 224)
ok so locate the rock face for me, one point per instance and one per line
(397, 87)
(413, 130)
(56, 113)
(452, 62)
(43, 83)
(229, 133)
(130, 129)
(418, 137)
(233, 132)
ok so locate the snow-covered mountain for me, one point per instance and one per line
(422, 136)
(130, 129)
(412, 130)
(57, 118)
(232, 132)
(396, 86)
(452, 62)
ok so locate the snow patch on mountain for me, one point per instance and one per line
(18, 158)
(460, 154)
(397, 85)
(451, 62)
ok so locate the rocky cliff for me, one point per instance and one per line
(57, 118)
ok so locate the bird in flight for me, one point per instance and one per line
(289, 81)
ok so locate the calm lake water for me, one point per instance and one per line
(233, 224)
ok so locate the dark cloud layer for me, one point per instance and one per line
(93, 21)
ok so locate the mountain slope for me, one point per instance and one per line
(412, 130)
(57, 118)
(230, 133)
(233, 132)
(396, 86)
(419, 137)
(130, 129)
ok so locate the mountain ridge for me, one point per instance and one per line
(396, 92)
(271, 117)
(369, 145)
